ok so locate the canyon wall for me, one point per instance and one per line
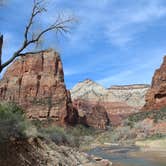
(91, 114)
(118, 101)
(36, 82)
(156, 95)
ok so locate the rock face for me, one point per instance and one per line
(91, 114)
(118, 101)
(132, 95)
(36, 82)
(156, 96)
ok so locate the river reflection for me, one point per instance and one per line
(130, 156)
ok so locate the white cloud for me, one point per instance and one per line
(141, 70)
(119, 24)
(127, 23)
(70, 72)
(118, 77)
(10, 45)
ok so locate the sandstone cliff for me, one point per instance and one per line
(118, 101)
(91, 114)
(36, 82)
(156, 95)
(133, 95)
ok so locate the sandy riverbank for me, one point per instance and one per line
(152, 145)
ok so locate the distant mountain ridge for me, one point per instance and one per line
(118, 101)
(132, 86)
(133, 95)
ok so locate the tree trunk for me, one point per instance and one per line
(1, 43)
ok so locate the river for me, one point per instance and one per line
(130, 156)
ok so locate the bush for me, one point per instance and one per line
(71, 136)
(156, 115)
(119, 134)
(80, 130)
(13, 123)
(58, 135)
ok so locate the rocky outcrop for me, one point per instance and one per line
(37, 152)
(156, 96)
(91, 114)
(118, 101)
(36, 82)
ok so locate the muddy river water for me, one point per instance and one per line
(130, 156)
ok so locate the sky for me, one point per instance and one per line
(113, 42)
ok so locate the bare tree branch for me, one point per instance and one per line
(59, 26)
(1, 44)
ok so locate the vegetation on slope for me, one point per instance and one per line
(156, 115)
(139, 126)
(15, 126)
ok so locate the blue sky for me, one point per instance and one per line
(114, 42)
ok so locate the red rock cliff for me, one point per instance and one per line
(91, 114)
(156, 96)
(36, 82)
(118, 102)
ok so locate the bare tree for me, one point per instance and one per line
(1, 43)
(61, 25)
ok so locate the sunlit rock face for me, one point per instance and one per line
(118, 101)
(36, 82)
(156, 95)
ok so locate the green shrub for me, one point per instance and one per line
(156, 115)
(157, 136)
(58, 135)
(80, 130)
(13, 123)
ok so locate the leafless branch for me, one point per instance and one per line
(59, 26)
(1, 44)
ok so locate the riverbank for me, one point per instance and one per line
(152, 144)
(130, 156)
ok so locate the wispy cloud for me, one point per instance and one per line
(113, 42)
(119, 25)
(118, 77)
(142, 69)
(127, 23)
(10, 45)
(70, 72)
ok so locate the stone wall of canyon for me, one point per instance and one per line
(118, 101)
(156, 95)
(36, 82)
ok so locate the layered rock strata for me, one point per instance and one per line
(36, 82)
(118, 101)
(91, 114)
(156, 95)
